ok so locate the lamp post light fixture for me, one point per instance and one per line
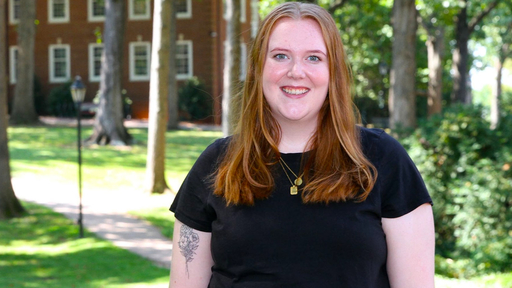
(78, 94)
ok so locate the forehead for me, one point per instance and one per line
(289, 33)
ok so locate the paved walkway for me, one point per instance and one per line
(104, 213)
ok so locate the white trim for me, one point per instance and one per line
(53, 78)
(243, 60)
(190, 57)
(52, 19)
(133, 76)
(13, 20)
(188, 14)
(91, 60)
(90, 16)
(132, 16)
(13, 50)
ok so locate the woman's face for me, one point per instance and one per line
(296, 71)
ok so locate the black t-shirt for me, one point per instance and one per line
(282, 242)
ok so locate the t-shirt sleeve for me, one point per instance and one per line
(190, 206)
(401, 186)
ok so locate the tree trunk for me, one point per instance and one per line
(461, 57)
(9, 205)
(172, 122)
(108, 123)
(495, 98)
(435, 48)
(158, 93)
(231, 76)
(402, 94)
(23, 109)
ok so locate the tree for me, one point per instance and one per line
(464, 27)
(172, 122)
(23, 109)
(108, 123)
(402, 94)
(231, 77)
(9, 205)
(158, 93)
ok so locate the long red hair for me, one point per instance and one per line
(341, 172)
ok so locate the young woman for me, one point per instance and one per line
(300, 196)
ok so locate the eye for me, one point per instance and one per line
(313, 58)
(280, 56)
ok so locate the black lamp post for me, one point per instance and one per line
(78, 94)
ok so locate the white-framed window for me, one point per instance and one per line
(243, 14)
(58, 11)
(243, 60)
(139, 10)
(95, 51)
(184, 59)
(59, 63)
(13, 64)
(183, 9)
(96, 10)
(14, 11)
(140, 61)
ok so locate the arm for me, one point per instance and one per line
(411, 248)
(191, 258)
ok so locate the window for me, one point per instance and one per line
(95, 51)
(58, 11)
(183, 9)
(14, 11)
(184, 59)
(13, 61)
(59, 63)
(96, 10)
(140, 61)
(139, 9)
(243, 61)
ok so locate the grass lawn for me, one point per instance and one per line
(41, 250)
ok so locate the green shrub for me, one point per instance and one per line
(466, 167)
(60, 102)
(194, 102)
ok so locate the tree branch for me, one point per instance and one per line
(336, 5)
(478, 18)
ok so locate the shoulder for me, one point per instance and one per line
(376, 142)
(211, 156)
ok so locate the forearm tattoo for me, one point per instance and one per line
(189, 241)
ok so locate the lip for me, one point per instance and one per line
(295, 91)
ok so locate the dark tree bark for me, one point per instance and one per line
(109, 121)
(402, 93)
(158, 101)
(463, 28)
(231, 76)
(9, 205)
(23, 108)
(173, 117)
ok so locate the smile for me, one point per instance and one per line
(295, 91)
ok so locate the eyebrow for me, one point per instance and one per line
(308, 51)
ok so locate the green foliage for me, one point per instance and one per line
(194, 102)
(467, 168)
(60, 102)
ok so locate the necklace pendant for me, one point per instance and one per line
(294, 190)
(298, 181)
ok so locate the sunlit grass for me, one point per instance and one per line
(42, 250)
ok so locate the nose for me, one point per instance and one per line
(296, 70)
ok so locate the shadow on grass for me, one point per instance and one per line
(42, 250)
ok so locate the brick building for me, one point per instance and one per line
(67, 34)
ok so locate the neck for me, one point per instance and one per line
(295, 137)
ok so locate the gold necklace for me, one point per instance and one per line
(298, 179)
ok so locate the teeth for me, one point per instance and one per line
(295, 91)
